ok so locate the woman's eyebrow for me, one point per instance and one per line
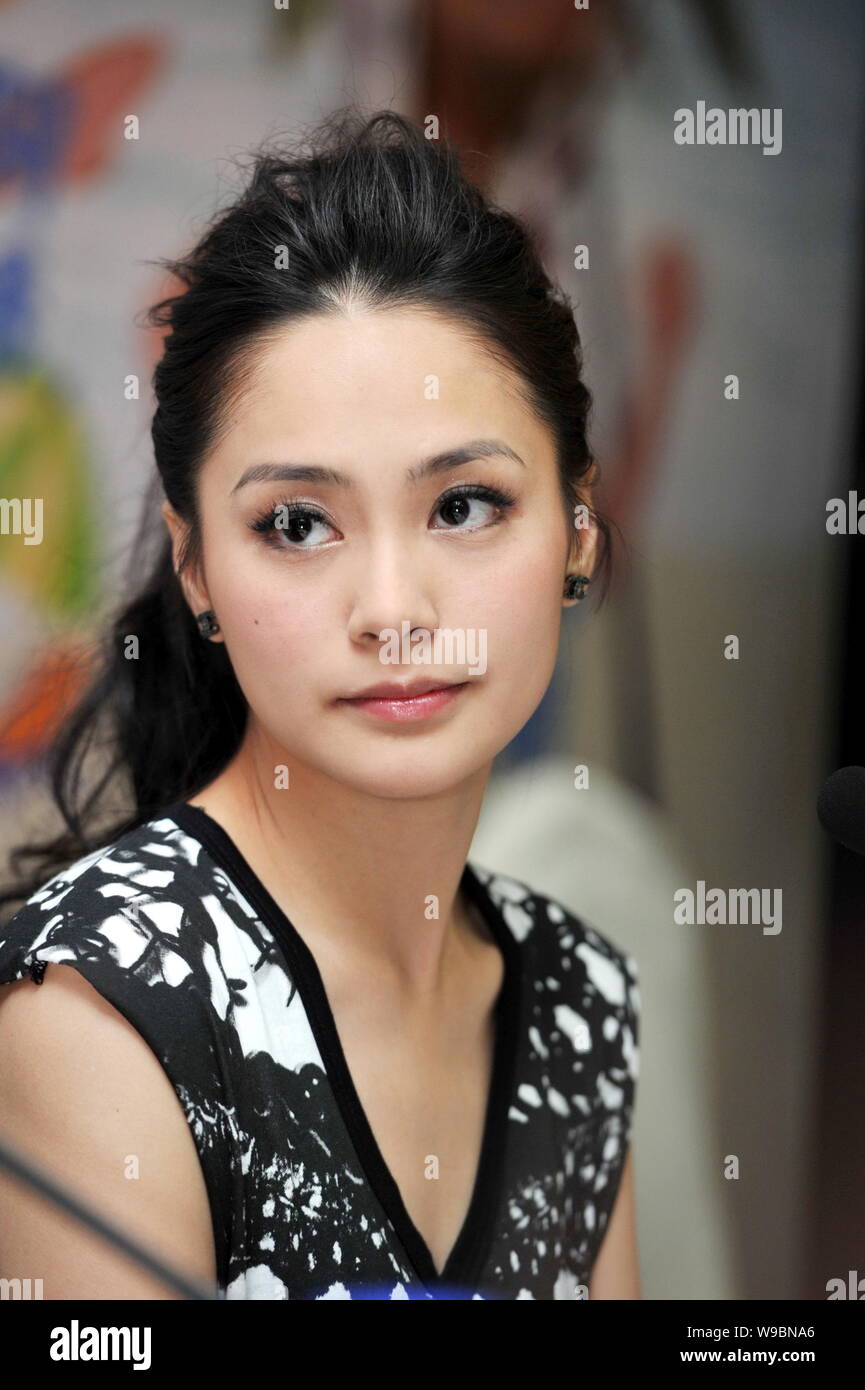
(318, 473)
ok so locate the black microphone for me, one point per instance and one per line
(841, 807)
(28, 1173)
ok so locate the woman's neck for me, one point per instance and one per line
(369, 881)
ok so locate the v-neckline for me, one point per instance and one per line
(468, 1253)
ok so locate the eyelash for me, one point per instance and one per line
(265, 523)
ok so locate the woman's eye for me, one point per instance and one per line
(300, 526)
(471, 508)
(289, 526)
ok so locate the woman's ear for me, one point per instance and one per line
(193, 591)
(582, 552)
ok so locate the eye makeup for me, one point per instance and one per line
(280, 517)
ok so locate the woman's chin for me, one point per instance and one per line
(407, 774)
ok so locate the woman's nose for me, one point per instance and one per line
(391, 588)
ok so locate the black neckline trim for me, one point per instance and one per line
(468, 1254)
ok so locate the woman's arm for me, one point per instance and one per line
(616, 1271)
(82, 1093)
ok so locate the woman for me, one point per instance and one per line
(399, 1075)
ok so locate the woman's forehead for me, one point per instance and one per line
(392, 382)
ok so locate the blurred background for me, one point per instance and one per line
(700, 262)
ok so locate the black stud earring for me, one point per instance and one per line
(575, 586)
(207, 623)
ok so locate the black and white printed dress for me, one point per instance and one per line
(171, 925)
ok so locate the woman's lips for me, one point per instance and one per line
(398, 709)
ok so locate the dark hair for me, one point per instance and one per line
(373, 210)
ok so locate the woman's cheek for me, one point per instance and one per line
(265, 642)
(528, 606)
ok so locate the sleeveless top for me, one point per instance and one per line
(170, 924)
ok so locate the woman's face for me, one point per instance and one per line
(315, 578)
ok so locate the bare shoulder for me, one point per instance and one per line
(84, 1096)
